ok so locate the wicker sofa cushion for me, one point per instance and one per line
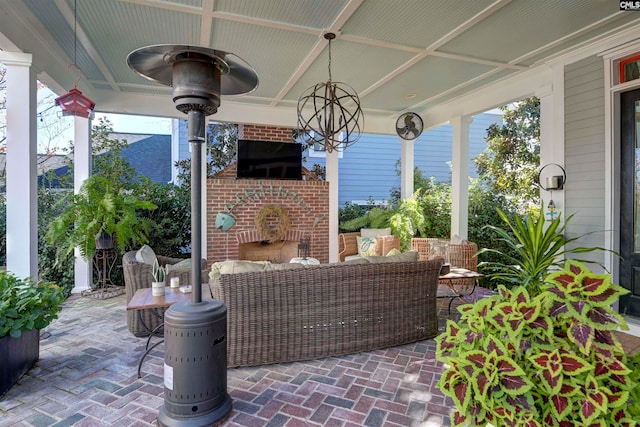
(242, 266)
(375, 232)
(402, 257)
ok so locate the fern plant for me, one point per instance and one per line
(97, 209)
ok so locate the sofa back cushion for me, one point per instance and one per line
(375, 232)
(242, 266)
(402, 257)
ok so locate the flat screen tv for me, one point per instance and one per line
(269, 160)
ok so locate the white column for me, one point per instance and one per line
(460, 177)
(407, 164)
(552, 138)
(332, 179)
(22, 175)
(81, 171)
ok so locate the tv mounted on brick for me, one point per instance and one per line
(269, 160)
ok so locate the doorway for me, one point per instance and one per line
(630, 201)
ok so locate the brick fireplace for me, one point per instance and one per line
(306, 203)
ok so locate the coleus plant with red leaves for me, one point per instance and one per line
(549, 359)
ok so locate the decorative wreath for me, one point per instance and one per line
(266, 227)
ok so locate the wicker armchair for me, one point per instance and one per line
(463, 255)
(138, 275)
(348, 244)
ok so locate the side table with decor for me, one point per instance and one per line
(137, 267)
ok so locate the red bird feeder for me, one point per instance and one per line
(74, 103)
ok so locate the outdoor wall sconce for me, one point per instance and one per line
(552, 182)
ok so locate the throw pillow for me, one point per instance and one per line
(375, 232)
(183, 266)
(366, 246)
(146, 255)
(394, 251)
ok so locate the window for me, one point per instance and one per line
(317, 150)
(629, 69)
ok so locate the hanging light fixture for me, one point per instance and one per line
(74, 103)
(329, 113)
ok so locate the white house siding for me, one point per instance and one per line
(585, 152)
(367, 169)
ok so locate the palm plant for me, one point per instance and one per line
(535, 247)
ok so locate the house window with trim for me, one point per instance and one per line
(317, 149)
(629, 68)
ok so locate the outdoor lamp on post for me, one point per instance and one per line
(195, 363)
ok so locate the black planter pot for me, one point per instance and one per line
(17, 355)
(105, 241)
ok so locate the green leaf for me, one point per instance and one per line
(560, 406)
(581, 335)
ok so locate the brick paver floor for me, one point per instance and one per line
(87, 376)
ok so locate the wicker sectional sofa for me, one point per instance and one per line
(311, 312)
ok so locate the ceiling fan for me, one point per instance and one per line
(409, 126)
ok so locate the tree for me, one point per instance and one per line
(221, 151)
(510, 163)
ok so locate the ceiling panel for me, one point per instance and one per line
(413, 22)
(60, 30)
(511, 32)
(425, 79)
(360, 66)
(617, 24)
(273, 66)
(306, 13)
(132, 26)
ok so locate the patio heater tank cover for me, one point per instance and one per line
(195, 371)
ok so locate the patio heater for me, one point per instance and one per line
(195, 361)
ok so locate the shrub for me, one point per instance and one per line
(517, 359)
(25, 305)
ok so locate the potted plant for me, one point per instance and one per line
(535, 247)
(25, 308)
(405, 220)
(552, 359)
(96, 213)
(159, 273)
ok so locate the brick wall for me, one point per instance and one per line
(306, 203)
(265, 133)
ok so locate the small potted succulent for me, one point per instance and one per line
(25, 309)
(159, 273)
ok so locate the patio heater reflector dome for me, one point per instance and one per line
(195, 373)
